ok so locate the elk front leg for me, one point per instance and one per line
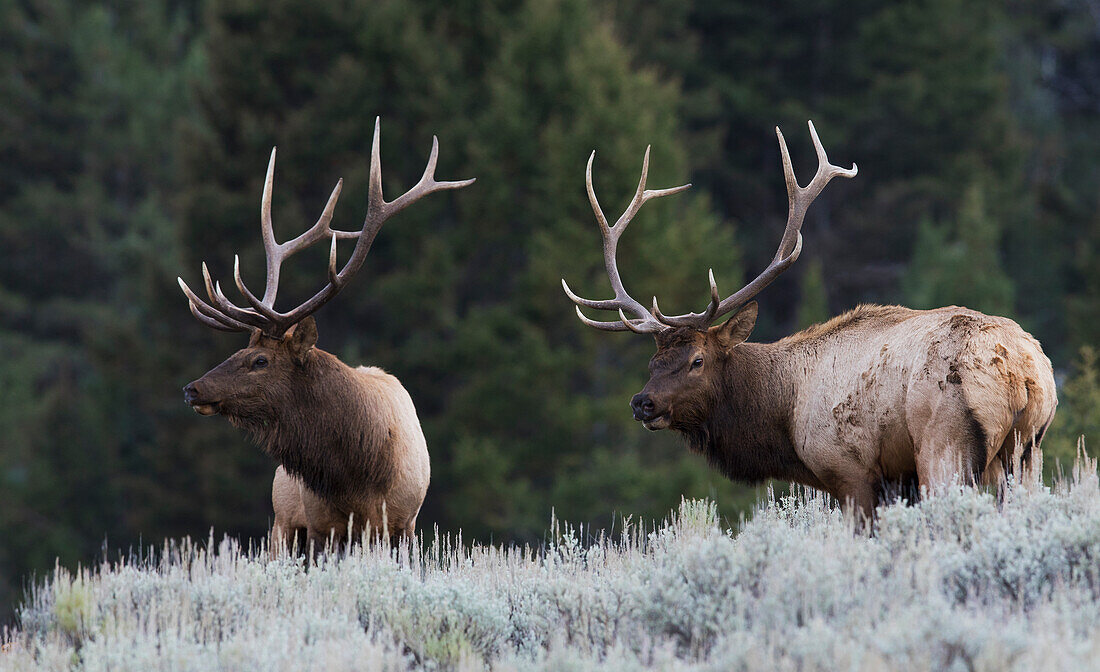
(327, 525)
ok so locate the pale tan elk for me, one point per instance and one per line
(880, 395)
(348, 439)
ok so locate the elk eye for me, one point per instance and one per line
(697, 363)
(259, 363)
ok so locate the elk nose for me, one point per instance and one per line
(642, 406)
(190, 394)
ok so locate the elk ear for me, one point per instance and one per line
(737, 329)
(300, 338)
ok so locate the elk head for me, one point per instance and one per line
(693, 357)
(249, 385)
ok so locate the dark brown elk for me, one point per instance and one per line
(880, 395)
(348, 439)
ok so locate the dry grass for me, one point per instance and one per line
(958, 582)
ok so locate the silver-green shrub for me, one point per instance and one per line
(961, 581)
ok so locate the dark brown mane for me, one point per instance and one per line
(746, 431)
(319, 433)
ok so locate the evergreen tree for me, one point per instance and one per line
(462, 294)
(813, 305)
(915, 93)
(959, 263)
(90, 93)
(1078, 415)
(1054, 69)
(133, 146)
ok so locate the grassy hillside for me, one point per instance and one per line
(957, 583)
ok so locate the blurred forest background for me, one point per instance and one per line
(134, 138)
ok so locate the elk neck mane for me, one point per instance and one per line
(326, 433)
(863, 315)
(746, 434)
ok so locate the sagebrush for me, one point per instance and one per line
(960, 581)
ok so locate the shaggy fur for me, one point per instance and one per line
(348, 440)
(322, 432)
(871, 402)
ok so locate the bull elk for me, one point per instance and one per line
(877, 396)
(348, 439)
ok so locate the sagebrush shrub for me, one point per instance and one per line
(961, 581)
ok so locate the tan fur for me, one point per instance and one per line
(298, 508)
(290, 513)
(884, 391)
(879, 397)
(348, 441)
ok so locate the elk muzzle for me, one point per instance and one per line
(645, 411)
(193, 398)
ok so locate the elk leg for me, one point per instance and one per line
(859, 498)
(282, 536)
(954, 446)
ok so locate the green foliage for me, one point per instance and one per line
(72, 604)
(91, 93)
(462, 293)
(813, 304)
(1078, 414)
(959, 263)
(914, 92)
(1053, 250)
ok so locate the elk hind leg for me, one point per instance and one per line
(1021, 450)
(858, 496)
(955, 447)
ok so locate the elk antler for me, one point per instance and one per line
(790, 247)
(800, 199)
(643, 321)
(227, 316)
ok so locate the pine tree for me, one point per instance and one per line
(915, 93)
(1078, 415)
(813, 305)
(959, 263)
(90, 93)
(461, 296)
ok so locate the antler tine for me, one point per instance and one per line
(643, 322)
(799, 199)
(267, 230)
(692, 319)
(378, 211)
(426, 185)
(375, 199)
(228, 316)
(209, 316)
(592, 200)
(224, 306)
(624, 323)
(256, 303)
(278, 253)
(641, 195)
(236, 312)
(213, 324)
